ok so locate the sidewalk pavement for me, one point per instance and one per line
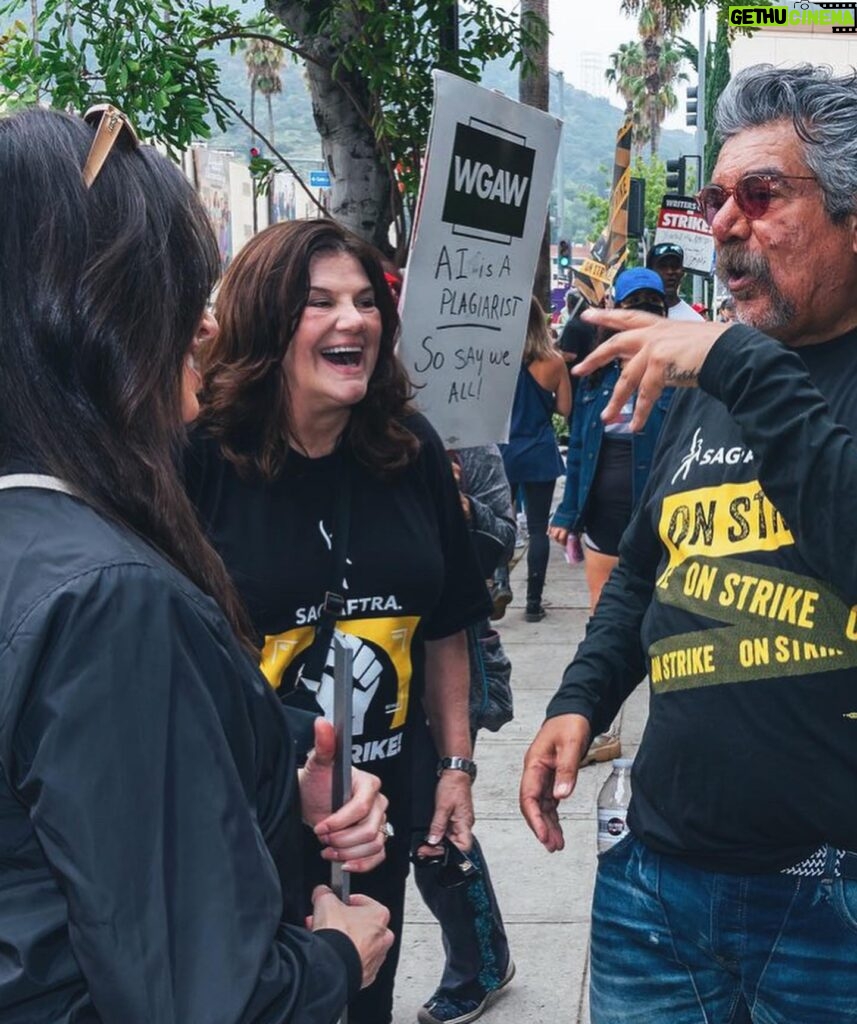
(545, 898)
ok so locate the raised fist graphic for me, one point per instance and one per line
(367, 677)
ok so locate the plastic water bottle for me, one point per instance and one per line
(613, 800)
(523, 534)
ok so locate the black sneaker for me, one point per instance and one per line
(534, 613)
(443, 1008)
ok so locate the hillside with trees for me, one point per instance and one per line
(180, 67)
(588, 140)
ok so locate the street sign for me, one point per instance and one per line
(319, 179)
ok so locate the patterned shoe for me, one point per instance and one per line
(450, 1009)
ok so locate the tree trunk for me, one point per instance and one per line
(270, 119)
(34, 21)
(361, 185)
(654, 128)
(652, 47)
(534, 90)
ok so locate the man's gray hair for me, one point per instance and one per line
(823, 110)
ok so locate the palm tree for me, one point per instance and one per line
(663, 101)
(658, 23)
(534, 86)
(628, 72)
(625, 73)
(264, 60)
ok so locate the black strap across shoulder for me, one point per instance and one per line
(334, 601)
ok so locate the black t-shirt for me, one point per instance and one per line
(577, 337)
(410, 576)
(740, 571)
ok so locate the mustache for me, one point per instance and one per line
(736, 262)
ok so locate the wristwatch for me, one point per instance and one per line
(457, 764)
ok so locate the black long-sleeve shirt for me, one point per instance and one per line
(149, 825)
(736, 591)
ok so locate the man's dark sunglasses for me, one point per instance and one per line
(452, 867)
(659, 308)
(752, 195)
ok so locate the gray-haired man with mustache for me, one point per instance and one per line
(734, 898)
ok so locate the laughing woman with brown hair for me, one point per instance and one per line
(335, 510)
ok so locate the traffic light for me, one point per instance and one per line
(637, 208)
(676, 176)
(564, 257)
(692, 93)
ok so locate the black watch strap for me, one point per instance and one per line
(458, 764)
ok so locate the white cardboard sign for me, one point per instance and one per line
(680, 221)
(483, 202)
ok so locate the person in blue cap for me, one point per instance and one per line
(607, 466)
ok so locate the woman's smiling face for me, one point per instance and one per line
(334, 350)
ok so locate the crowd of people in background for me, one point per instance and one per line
(200, 504)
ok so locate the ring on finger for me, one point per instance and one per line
(387, 831)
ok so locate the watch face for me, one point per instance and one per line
(461, 764)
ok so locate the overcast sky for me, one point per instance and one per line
(582, 40)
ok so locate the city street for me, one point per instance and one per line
(544, 897)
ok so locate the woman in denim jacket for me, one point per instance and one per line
(607, 466)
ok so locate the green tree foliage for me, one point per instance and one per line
(599, 209)
(153, 61)
(654, 172)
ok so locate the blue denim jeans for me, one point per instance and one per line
(675, 944)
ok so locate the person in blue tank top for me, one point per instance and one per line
(531, 457)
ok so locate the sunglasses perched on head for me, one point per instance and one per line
(109, 124)
(752, 194)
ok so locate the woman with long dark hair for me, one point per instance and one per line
(531, 457)
(150, 809)
(335, 510)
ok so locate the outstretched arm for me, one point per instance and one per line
(447, 707)
(609, 664)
